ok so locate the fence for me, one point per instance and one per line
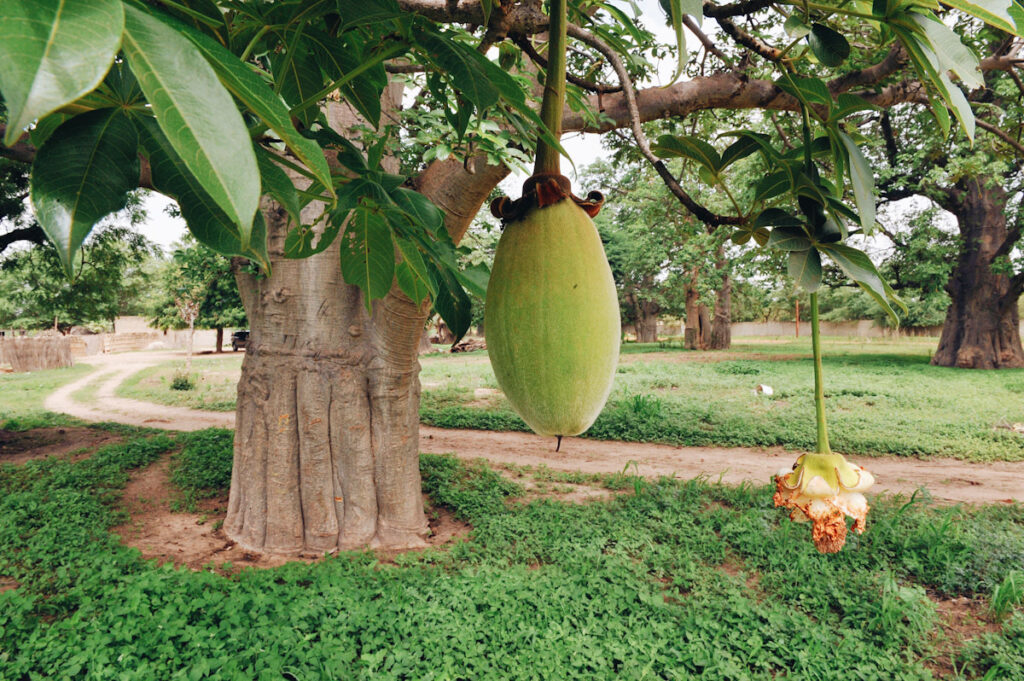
(864, 328)
(35, 354)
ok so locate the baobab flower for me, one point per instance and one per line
(824, 489)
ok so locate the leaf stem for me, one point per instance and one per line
(548, 157)
(819, 385)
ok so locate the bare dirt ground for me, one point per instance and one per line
(948, 480)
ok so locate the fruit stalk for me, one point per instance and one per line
(819, 383)
(548, 159)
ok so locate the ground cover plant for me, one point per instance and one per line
(669, 579)
(22, 395)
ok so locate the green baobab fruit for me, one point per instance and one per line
(552, 319)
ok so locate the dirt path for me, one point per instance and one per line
(947, 479)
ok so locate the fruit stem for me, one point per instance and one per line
(819, 385)
(548, 157)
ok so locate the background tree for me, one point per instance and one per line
(37, 293)
(203, 276)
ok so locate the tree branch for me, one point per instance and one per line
(749, 41)
(33, 233)
(699, 211)
(705, 40)
(22, 150)
(1001, 134)
(735, 9)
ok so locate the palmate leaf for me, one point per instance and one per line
(196, 114)
(951, 53)
(205, 219)
(53, 52)
(829, 46)
(464, 66)
(786, 238)
(82, 173)
(260, 99)
(368, 254)
(275, 182)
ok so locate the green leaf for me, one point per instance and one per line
(858, 267)
(805, 268)
(951, 53)
(830, 47)
(787, 238)
(82, 173)
(297, 75)
(205, 219)
(863, 180)
(419, 209)
(811, 90)
(776, 217)
(464, 67)
(997, 13)
(196, 114)
(412, 273)
(275, 182)
(795, 27)
(261, 100)
(368, 255)
(451, 301)
(339, 58)
(367, 12)
(741, 148)
(53, 52)
(847, 104)
(675, 13)
(686, 146)
(474, 279)
(772, 185)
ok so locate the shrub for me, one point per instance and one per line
(182, 382)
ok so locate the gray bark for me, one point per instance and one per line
(326, 443)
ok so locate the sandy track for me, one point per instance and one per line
(949, 480)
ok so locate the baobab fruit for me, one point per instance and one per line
(552, 319)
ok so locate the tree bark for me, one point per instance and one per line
(691, 333)
(220, 339)
(326, 443)
(721, 325)
(647, 321)
(981, 330)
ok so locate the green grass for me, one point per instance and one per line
(22, 395)
(675, 580)
(883, 398)
(215, 380)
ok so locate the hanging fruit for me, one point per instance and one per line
(552, 315)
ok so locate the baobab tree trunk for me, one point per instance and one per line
(326, 442)
(647, 322)
(981, 330)
(691, 333)
(721, 325)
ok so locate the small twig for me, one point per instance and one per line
(782, 133)
(689, 22)
(526, 46)
(749, 41)
(1001, 134)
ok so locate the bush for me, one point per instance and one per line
(182, 382)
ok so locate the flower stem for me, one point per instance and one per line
(548, 158)
(819, 385)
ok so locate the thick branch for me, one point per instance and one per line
(34, 233)
(734, 9)
(871, 75)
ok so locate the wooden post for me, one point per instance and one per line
(797, 317)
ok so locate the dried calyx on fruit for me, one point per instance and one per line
(824, 489)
